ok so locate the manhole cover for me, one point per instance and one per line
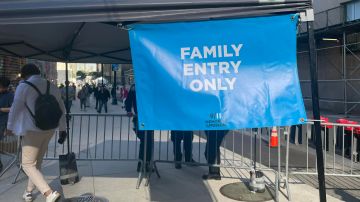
(86, 198)
(239, 191)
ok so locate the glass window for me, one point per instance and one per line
(357, 10)
(350, 12)
(353, 11)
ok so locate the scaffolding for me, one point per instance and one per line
(338, 62)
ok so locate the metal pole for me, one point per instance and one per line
(316, 111)
(255, 134)
(287, 134)
(67, 104)
(344, 74)
(114, 102)
(102, 74)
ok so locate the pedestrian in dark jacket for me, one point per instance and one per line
(6, 100)
(104, 96)
(96, 95)
(131, 108)
(82, 98)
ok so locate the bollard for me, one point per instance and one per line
(257, 181)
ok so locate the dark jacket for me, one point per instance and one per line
(96, 93)
(104, 95)
(6, 99)
(130, 101)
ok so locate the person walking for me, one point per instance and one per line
(104, 96)
(71, 96)
(176, 138)
(82, 98)
(131, 109)
(88, 91)
(73, 92)
(96, 95)
(36, 125)
(6, 100)
(124, 94)
(212, 152)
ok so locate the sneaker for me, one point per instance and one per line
(53, 197)
(27, 196)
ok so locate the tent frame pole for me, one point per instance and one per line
(344, 74)
(102, 74)
(67, 105)
(114, 102)
(316, 110)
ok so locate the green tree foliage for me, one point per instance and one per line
(81, 74)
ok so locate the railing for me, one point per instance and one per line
(340, 148)
(110, 137)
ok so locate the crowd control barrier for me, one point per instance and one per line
(110, 137)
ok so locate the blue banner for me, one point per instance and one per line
(216, 75)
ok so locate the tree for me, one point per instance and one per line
(81, 74)
(95, 75)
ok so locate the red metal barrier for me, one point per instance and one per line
(349, 128)
(325, 120)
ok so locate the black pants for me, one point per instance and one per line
(212, 150)
(97, 103)
(82, 103)
(343, 137)
(101, 104)
(149, 141)
(293, 133)
(176, 138)
(313, 136)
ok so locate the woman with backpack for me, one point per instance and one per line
(37, 111)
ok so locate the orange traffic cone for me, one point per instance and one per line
(274, 138)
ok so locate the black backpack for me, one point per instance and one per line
(47, 109)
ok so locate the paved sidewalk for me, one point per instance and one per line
(116, 182)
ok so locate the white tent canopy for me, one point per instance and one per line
(101, 80)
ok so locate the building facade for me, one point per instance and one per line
(10, 67)
(337, 35)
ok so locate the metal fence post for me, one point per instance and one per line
(316, 111)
